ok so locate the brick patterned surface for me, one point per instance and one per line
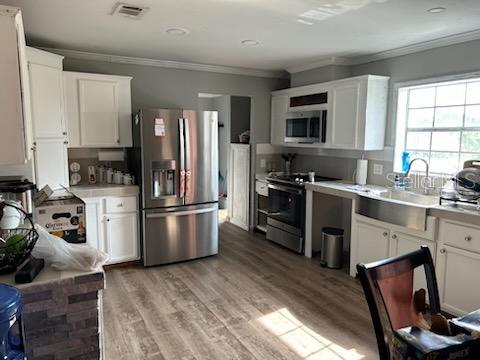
(61, 318)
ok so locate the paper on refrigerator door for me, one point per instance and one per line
(159, 127)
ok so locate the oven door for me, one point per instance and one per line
(286, 208)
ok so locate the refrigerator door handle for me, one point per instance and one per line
(188, 169)
(180, 213)
(181, 126)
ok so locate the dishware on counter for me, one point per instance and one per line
(110, 176)
(118, 177)
(92, 175)
(10, 215)
(101, 174)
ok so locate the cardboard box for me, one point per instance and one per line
(63, 217)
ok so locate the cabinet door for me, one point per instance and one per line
(93, 223)
(371, 243)
(402, 244)
(99, 113)
(51, 163)
(277, 123)
(46, 84)
(345, 116)
(122, 237)
(457, 275)
(239, 186)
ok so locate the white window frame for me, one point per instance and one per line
(398, 110)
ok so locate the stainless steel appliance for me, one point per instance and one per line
(175, 157)
(18, 189)
(286, 209)
(306, 127)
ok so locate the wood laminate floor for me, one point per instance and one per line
(254, 300)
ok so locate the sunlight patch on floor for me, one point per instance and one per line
(303, 340)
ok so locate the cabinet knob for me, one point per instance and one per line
(65, 142)
(394, 236)
(120, 205)
(443, 251)
(385, 233)
(108, 219)
(64, 133)
(468, 238)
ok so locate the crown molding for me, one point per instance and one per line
(83, 55)
(404, 50)
(333, 60)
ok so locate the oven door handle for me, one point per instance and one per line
(288, 189)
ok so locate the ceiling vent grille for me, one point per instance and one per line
(129, 11)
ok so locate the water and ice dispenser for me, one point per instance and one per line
(163, 178)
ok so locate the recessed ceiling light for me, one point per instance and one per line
(250, 42)
(177, 31)
(436, 10)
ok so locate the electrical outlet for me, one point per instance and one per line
(263, 163)
(378, 169)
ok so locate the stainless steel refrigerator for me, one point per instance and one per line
(175, 157)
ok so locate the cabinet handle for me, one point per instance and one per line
(385, 233)
(64, 133)
(65, 142)
(468, 238)
(33, 148)
(120, 205)
(394, 236)
(443, 251)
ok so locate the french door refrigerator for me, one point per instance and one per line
(175, 155)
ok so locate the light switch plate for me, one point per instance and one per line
(263, 163)
(378, 169)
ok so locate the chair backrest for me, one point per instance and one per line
(388, 287)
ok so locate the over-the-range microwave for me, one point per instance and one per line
(306, 127)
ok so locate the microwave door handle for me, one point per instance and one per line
(324, 126)
(181, 126)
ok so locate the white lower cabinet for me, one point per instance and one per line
(114, 231)
(458, 266)
(371, 243)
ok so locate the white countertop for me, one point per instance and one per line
(99, 190)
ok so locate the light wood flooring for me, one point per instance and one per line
(255, 300)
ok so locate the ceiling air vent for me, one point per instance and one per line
(130, 11)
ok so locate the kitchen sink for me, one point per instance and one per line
(400, 207)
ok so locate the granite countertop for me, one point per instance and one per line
(48, 275)
(349, 190)
(98, 190)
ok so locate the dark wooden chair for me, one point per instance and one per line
(388, 287)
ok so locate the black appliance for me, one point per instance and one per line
(286, 209)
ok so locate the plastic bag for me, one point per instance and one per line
(65, 256)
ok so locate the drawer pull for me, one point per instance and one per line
(468, 238)
(385, 234)
(443, 251)
(120, 205)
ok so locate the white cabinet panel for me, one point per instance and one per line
(93, 223)
(277, 123)
(457, 276)
(371, 243)
(46, 86)
(50, 163)
(239, 185)
(345, 121)
(122, 237)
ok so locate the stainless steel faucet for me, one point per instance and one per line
(428, 189)
(427, 167)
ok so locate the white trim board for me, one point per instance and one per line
(83, 55)
(404, 50)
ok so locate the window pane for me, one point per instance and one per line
(472, 115)
(446, 140)
(468, 156)
(451, 95)
(418, 140)
(420, 118)
(443, 163)
(421, 98)
(449, 116)
(419, 166)
(471, 141)
(473, 93)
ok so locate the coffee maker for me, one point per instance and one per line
(20, 190)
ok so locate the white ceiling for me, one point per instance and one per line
(339, 28)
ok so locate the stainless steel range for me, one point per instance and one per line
(286, 209)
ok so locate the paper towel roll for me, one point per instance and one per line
(361, 173)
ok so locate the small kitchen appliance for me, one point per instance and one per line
(20, 190)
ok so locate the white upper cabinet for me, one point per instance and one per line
(46, 84)
(356, 112)
(15, 120)
(51, 163)
(98, 110)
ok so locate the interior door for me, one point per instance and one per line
(162, 159)
(201, 156)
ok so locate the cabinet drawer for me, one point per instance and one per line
(459, 235)
(261, 188)
(120, 204)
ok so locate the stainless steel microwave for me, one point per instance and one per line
(306, 127)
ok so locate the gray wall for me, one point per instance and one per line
(323, 74)
(240, 116)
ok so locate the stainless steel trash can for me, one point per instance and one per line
(332, 247)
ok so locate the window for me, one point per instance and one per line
(439, 122)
